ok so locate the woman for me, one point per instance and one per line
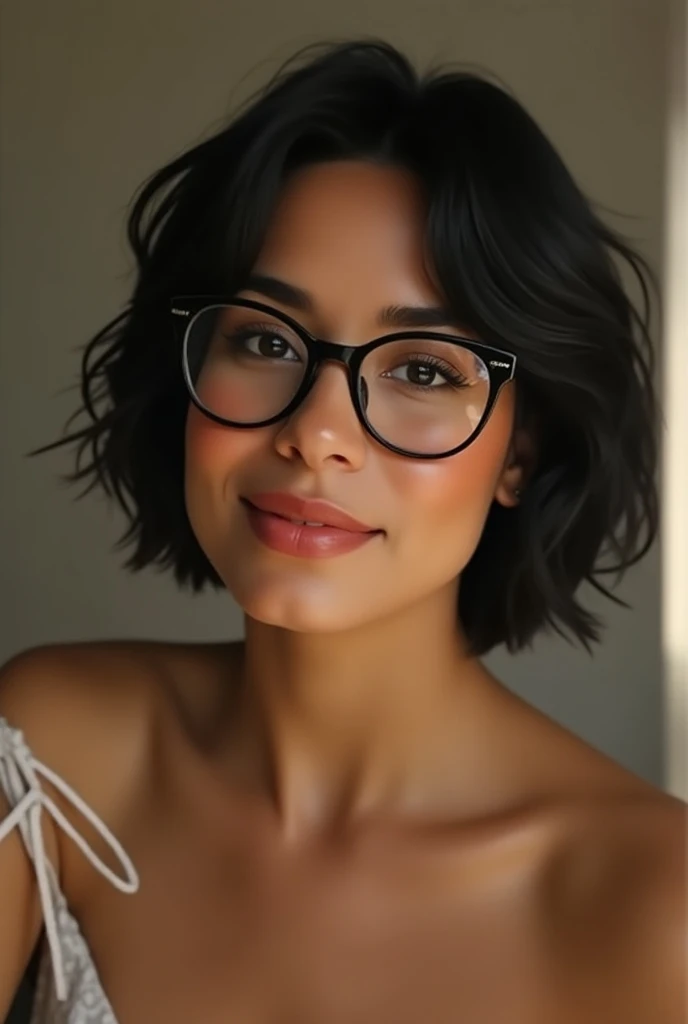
(378, 379)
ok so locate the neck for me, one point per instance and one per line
(342, 726)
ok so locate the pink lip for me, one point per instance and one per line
(310, 510)
(271, 515)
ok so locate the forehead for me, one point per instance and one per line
(351, 228)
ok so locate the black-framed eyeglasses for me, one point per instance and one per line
(423, 394)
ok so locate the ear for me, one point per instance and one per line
(518, 468)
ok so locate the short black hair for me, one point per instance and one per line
(523, 260)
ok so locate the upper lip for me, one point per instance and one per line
(310, 510)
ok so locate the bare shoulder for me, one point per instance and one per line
(100, 688)
(649, 842)
(70, 699)
(614, 879)
(618, 889)
(91, 712)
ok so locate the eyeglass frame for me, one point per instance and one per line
(500, 365)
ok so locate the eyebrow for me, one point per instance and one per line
(392, 316)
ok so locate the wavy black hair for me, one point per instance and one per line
(522, 258)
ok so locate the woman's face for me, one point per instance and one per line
(350, 236)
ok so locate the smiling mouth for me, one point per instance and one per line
(309, 512)
(308, 523)
(277, 528)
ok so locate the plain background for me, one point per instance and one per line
(675, 388)
(96, 96)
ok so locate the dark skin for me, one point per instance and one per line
(346, 819)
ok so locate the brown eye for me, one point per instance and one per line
(267, 345)
(427, 373)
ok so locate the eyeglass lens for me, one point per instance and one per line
(423, 396)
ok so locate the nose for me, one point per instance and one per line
(324, 429)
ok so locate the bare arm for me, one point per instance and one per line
(84, 711)
(21, 917)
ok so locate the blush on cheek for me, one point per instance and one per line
(480, 466)
(227, 397)
(206, 441)
(213, 450)
(462, 485)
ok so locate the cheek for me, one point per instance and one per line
(211, 449)
(224, 392)
(460, 489)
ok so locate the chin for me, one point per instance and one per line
(300, 606)
(297, 618)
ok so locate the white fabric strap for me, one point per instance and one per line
(19, 779)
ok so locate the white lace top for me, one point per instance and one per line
(68, 988)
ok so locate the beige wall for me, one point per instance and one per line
(94, 96)
(675, 462)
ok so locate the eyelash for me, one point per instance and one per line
(453, 377)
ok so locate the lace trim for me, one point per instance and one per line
(20, 774)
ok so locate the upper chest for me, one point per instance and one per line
(383, 928)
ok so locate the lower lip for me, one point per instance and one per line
(303, 541)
